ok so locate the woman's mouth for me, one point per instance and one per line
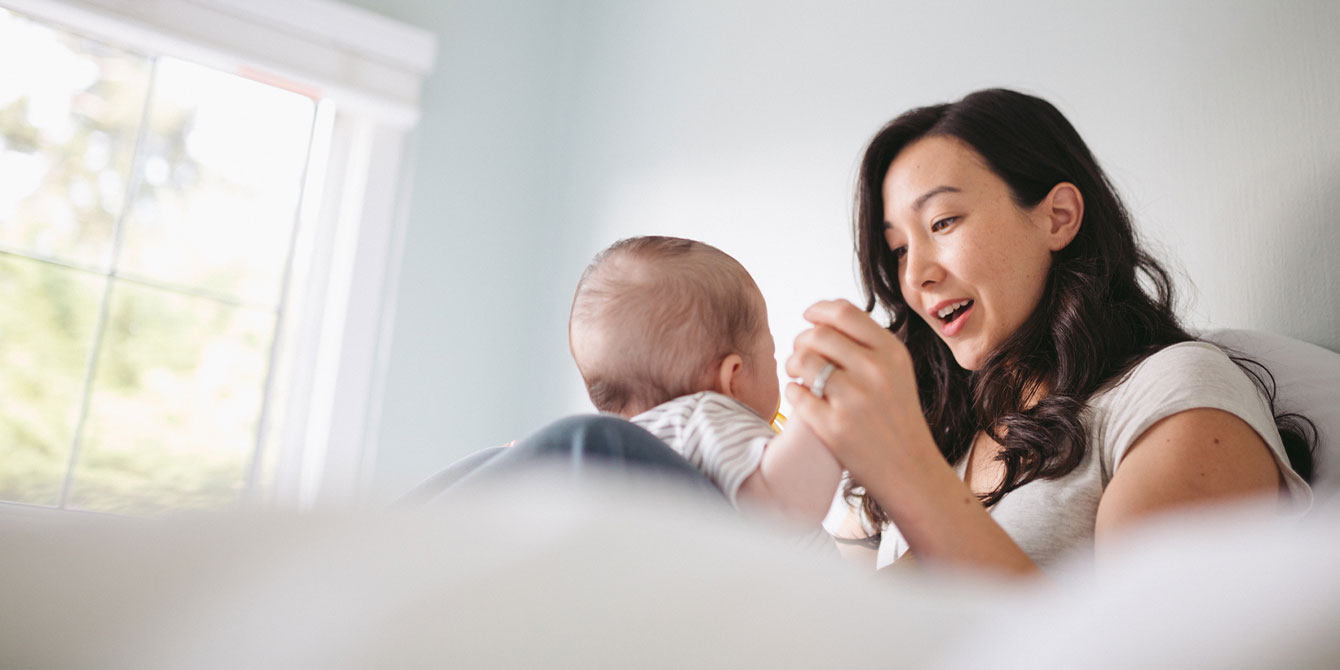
(953, 316)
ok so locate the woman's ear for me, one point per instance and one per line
(728, 375)
(1064, 212)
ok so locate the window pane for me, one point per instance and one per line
(176, 399)
(47, 318)
(206, 195)
(69, 112)
(222, 172)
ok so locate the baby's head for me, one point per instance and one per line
(655, 318)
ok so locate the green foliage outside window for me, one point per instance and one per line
(147, 349)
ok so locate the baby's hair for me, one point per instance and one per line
(653, 316)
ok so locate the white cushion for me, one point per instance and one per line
(623, 574)
(1308, 381)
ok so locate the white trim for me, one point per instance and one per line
(361, 58)
(312, 267)
(373, 35)
(363, 264)
(338, 366)
(390, 291)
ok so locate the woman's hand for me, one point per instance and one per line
(870, 410)
(870, 418)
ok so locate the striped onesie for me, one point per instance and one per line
(717, 434)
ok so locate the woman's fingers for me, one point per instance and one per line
(820, 381)
(852, 340)
(818, 346)
(830, 418)
(810, 406)
(848, 319)
(805, 367)
(873, 379)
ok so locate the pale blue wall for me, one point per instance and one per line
(479, 342)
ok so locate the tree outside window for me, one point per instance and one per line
(147, 221)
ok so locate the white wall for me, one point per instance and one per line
(554, 127)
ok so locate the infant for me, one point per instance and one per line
(673, 335)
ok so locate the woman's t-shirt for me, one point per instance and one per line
(1052, 518)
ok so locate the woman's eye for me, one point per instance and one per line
(943, 223)
(899, 253)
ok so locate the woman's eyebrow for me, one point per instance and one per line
(921, 201)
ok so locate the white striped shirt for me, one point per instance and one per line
(717, 434)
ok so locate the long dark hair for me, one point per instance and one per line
(1095, 319)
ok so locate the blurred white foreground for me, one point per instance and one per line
(633, 575)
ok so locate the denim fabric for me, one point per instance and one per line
(577, 445)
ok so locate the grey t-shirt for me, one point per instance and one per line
(1052, 518)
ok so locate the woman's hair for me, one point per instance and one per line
(653, 316)
(1095, 319)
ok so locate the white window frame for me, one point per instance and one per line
(353, 214)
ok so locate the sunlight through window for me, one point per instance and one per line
(148, 208)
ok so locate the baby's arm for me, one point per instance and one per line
(798, 476)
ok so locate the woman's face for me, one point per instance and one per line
(971, 263)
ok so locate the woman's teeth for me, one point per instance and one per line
(949, 309)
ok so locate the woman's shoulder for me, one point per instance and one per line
(1186, 355)
(1191, 367)
(1176, 378)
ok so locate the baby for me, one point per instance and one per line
(673, 335)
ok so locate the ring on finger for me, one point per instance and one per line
(821, 380)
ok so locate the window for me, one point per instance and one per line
(179, 238)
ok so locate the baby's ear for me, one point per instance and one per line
(728, 375)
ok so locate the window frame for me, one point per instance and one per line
(352, 217)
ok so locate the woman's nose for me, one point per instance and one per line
(921, 268)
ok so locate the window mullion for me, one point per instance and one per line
(99, 330)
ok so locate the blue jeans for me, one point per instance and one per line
(577, 445)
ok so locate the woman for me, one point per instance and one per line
(1030, 397)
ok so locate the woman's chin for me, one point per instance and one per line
(968, 359)
(966, 351)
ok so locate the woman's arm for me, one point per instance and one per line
(1195, 457)
(797, 476)
(870, 417)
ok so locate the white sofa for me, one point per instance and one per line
(630, 574)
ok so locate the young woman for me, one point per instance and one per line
(1031, 396)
